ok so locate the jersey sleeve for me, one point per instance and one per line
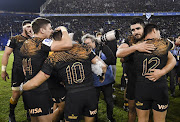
(47, 67)
(46, 45)
(126, 41)
(171, 45)
(92, 55)
(11, 43)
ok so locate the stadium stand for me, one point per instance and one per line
(169, 25)
(109, 6)
(11, 25)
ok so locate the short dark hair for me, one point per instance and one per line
(178, 36)
(57, 35)
(39, 23)
(137, 21)
(26, 22)
(149, 28)
(77, 36)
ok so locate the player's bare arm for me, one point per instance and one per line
(5, 58)
(35, 81)
(157, 73)
(125, 50)
(65, 43)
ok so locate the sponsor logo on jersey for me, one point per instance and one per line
(139, 104)
(72, 117)
(93, 112)
(35, 110)
(47, 42)
(162, 107)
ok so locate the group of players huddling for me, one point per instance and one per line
(60, 82)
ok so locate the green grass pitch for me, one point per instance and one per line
(120, 115)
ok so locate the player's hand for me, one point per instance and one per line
(31, 33)
(122, 60)
(62, 28)
(154, 75)
(144, 47)
(102, 78)
(4, 74)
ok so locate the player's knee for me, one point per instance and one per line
(13, 101)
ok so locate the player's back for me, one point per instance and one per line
(73, 68)
(76, 74)
(144, 62)
(33, 59)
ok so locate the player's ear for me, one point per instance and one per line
(154, 30)
(42, 30)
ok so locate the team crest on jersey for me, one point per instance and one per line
(72, 117)
(139, 104)
(47, 42)
(8, 43)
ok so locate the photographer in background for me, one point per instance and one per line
(113, 46)
(104, 52)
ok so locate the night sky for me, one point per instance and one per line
(21, 5)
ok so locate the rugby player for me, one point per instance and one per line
(35, 51)
(74, 68)
(151, 86)
(126, 51)
(14, 44)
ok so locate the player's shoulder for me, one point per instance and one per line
(14, 37)
(130, 40)
(30, 47)
(159, 43)
(162, 45)
(77, 52)
(33, 41)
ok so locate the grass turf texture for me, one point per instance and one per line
(120, 115)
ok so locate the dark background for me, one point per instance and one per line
(21, 5)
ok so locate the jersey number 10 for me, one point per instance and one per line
(75, 73)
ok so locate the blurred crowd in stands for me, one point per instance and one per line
(110, 6)
(11, 25)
